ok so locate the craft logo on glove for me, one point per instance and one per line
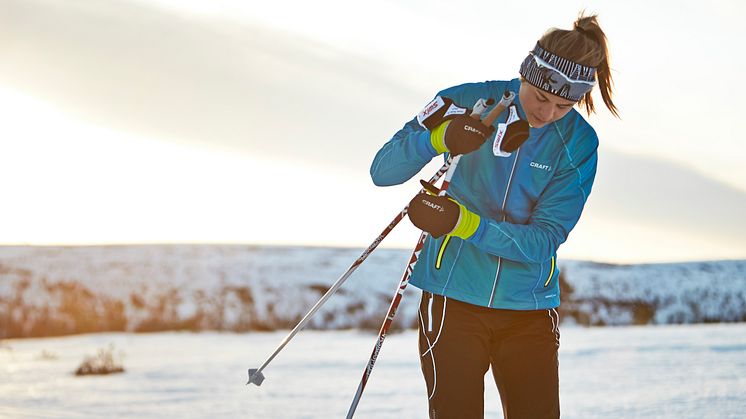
(433, 205)
(472, 129)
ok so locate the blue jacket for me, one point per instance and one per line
(528, 204)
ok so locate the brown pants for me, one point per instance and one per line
(458, 343)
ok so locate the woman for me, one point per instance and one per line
(490, 283)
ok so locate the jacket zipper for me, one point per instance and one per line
(551, 272)
(441, 251)
(505, 201)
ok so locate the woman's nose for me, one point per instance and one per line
(546, 113)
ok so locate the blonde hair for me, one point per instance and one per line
(585, 44)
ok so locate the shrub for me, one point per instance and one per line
(101, 364)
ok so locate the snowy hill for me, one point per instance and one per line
(61, 290)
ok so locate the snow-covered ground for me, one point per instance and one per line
(693, 292)
(673, 371)
(60, 290)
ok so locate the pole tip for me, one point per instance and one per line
(255, 377)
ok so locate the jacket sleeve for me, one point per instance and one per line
(556, 213)
(403, 156)
(410, 149)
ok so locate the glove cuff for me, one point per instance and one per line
(438, 137)
(467, 223)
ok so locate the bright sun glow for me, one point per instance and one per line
(76, 183)
(195, 156)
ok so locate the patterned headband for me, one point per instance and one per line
(556, 75)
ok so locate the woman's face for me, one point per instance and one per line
(541, 107)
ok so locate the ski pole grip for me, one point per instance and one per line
(480, 107)
(497, 110)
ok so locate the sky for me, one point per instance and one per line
(165, 121)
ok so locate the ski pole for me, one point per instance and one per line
(395, 303)
(255, 374)
(489, 119)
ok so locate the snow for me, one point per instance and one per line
(59, 290)
(690, 292)
(672, 371)
(234, 287)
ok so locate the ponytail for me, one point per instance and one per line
(585, 44)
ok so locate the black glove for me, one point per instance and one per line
(438, 111)
(439, 215)
(515, 135)
(461, 135)
(451, 130)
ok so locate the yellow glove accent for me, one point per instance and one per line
(467, 223)
(438, 137)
